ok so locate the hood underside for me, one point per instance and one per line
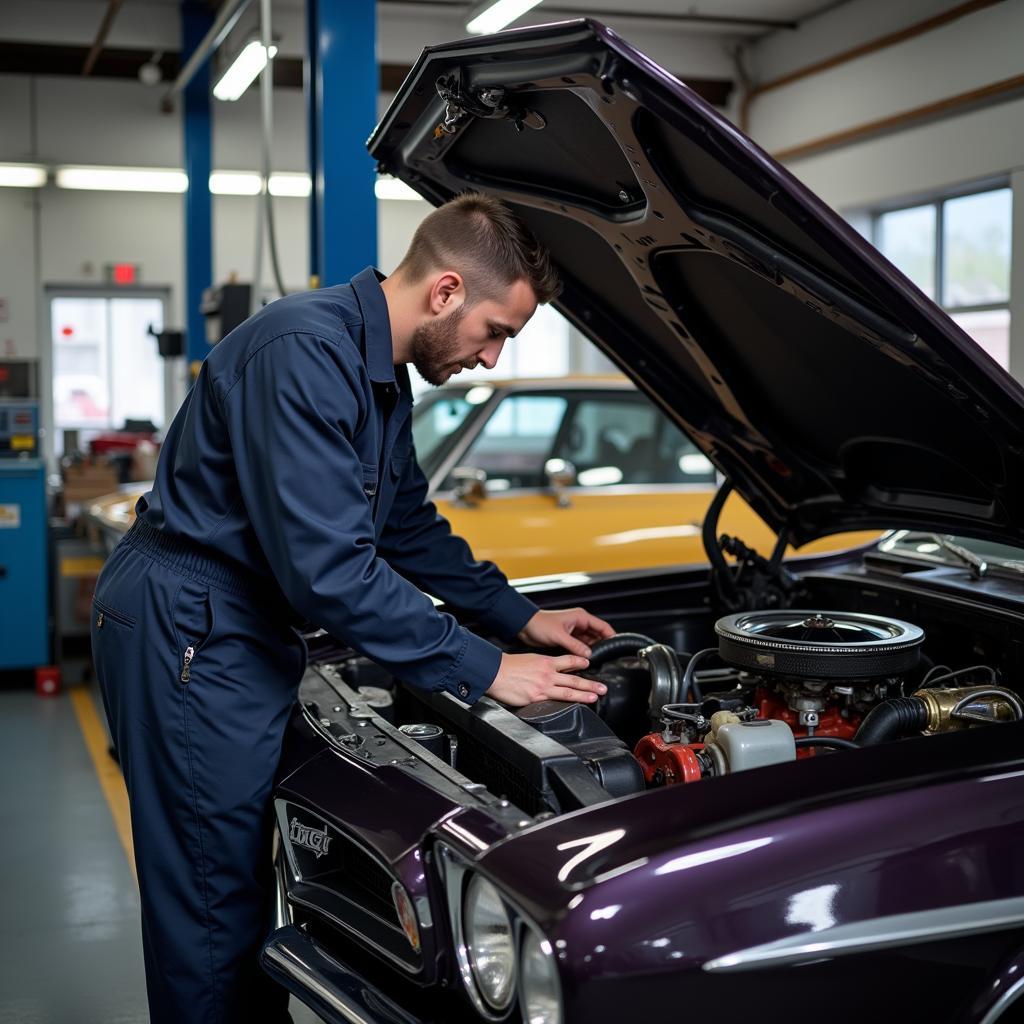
(831, 391)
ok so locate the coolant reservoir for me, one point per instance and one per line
(755, 744)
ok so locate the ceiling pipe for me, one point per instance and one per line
(227, 18)
(101, 36)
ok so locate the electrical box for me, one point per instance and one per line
(225, 307)
(19, 429)
(24, 575)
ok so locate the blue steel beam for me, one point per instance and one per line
(196, 20)
(342, 108)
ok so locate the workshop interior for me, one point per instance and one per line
(769, 431)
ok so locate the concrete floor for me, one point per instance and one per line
(70, 942)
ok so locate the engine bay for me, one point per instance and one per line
(765, 687)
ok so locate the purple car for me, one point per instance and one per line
(802, 796)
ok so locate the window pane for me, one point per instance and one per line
(136, 367)
(976, 233)
(540, 349)
(517, 441)
(991, 330)
(80, 359)
(907, 238)
(625, 440)
(434, 420)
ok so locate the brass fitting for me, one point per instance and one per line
(940, 704)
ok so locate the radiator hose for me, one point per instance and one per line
(892, 719)
(617, 646)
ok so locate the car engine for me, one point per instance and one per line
(792, 683)
(781, 684)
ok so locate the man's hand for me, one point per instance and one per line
(525, 678)
(573, 629)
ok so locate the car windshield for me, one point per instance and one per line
(943, 548)
(436, 418)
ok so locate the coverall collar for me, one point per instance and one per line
(376, 325)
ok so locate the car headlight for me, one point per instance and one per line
(540, 995)
(490, 943)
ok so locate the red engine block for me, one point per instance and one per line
(666, 764)
(830, 721)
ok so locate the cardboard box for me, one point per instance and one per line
(86, 480)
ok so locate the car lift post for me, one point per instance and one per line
(196, 20)
(342, 80)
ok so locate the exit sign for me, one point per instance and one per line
(123, 273)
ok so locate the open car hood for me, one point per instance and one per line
(826, 386)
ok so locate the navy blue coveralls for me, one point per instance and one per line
(287, 484)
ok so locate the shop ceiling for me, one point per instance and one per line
(115, 38)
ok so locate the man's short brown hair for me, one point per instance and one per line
(483, 240)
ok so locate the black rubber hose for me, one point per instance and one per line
(617, 647)
(826, 741)
(689, 681)
(892, 719)
(666, 678)
(709, 537)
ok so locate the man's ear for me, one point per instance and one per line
(446, 292)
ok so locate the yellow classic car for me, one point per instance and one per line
(574, 474)
(577, 474)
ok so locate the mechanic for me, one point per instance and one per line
(287, 488)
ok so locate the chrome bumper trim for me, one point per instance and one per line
(328, 987)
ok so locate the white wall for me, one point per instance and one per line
(18, 273)
(973, 51)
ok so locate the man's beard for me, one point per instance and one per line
(434, 346)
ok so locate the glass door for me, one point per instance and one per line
(106, 368)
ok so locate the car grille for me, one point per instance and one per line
(341, 881)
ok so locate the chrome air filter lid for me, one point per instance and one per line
(819, 644)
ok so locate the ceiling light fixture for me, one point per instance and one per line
(243, 71)
(297, 185)
(22, 176)
(122, 179)
(494, 15)
(235, 183)
(387, 187)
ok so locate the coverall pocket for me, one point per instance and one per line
(369, 479)
(193, 620)
(104, 613)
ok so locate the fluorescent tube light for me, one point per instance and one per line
(22, 175)
(294, 184)
(494, 16)
(247, 183)
(243, 71)
(387, 187)
(122, 179)
(235, 183)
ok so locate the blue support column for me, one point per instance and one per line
(311, 78)
(196, 20)
(342, 106)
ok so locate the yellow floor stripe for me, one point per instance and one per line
(107, 770)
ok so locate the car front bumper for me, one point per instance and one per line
(335, 991)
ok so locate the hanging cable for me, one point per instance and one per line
(265, 208)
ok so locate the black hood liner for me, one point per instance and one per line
(831, 391)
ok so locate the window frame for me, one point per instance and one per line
(937, 201)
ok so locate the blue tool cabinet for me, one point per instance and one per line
(24, 606)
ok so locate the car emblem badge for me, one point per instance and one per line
(309, 838)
